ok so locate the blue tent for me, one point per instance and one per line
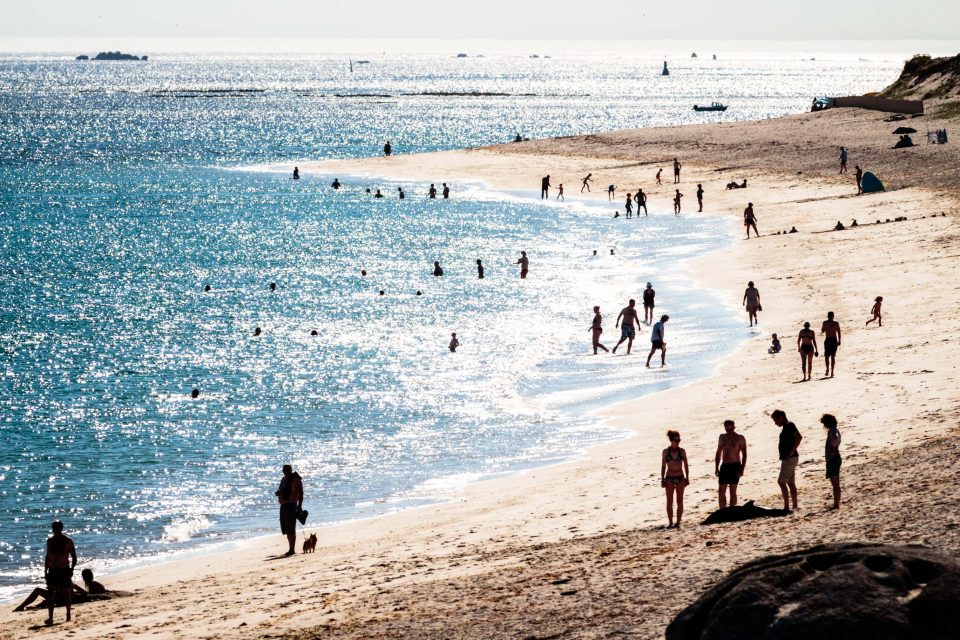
(870, 183)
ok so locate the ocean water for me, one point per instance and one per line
(125, 188)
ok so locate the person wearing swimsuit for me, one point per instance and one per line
(597, 329)
(730, 461)
(750, 220)
(674, 475)
(807, 346)
(831, 342)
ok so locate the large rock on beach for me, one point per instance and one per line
(836, 591)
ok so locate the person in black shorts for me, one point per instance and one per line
(807, 346)
(730, 461)
(648, 296)
(641, 199)
(628, 315)
(831, 341)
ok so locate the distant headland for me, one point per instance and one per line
(112, 55)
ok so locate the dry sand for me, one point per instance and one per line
(579, 550)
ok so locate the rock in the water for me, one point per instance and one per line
(831, 592)
(746, 511)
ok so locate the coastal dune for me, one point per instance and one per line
(580, 549)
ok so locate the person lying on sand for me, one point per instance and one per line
(94, 591)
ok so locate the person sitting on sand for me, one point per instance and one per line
(839, 226)
(831, 342)
(454, 343)
(674, 475)
(832, 455)
(629, 205)
(751, 300)
(629, 316)
(787, 446)
(807, 346)
(93, 588)
(611, 192)
(676, 202)
(336, 183)
(774, 345)
(641, 199)
(586, 183)
(732, 453)
(750, 220)
(657, 341)
(875, 310)
(518, 138)
(659, 173)
(597, 328)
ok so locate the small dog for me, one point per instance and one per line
(310, 544)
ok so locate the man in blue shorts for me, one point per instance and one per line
(629, 317)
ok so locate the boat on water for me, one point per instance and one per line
(716, 106)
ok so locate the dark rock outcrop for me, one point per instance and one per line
(831, 592)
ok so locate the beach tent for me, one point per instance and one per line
(870, 183)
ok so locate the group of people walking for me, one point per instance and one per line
(730, 463)
(628, 322)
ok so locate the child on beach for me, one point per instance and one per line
(674, 475)
(676, 202)
(454, 343)
(560, 193)
(877, 302)
(659, 172)
(774, 345)
(629, 205)
(832, 455)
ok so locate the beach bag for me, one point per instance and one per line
(302, 516)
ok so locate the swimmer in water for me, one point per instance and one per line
(454, 343)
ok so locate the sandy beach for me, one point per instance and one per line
(581, 549)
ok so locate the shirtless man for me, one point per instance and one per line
(750, 220)
(545, 187)
(676, 202)
(732, 452)
(58, 567)
(641, 199)
(627, 332)
(700, 197)
(596, 327)
(524, 263)
(751, 300)
(807, 346)
(831, 341)
(676, 171)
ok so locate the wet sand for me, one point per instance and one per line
(579, 550)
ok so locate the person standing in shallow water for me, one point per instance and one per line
(479, 269)
(751, 300)
(597, 328)
(387, 149)
(432, 193)
(437, 271)
(454, 343)
(832, 455)
(446, 191)
(627, 332)
(296, 173)
(676, 202)
(831, 342)
(524, 263)
(545, 187)
(789, 457)
(290, 496)
(641, 199)
(629, 205)
(649, 297)
(658, 342)
(807, 346)
(674, 476)
(586, 183)
(730, 462)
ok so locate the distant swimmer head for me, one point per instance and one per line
(257, 331)
(418, 293)
(207, 288)
(382, 292)
(273, 286)
(594, 252)
(57, 526)
(314, 333)
(611, 251)
(195, 393)
(363, 272)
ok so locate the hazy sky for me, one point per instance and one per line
(486, 19)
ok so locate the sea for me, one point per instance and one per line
(128, 188)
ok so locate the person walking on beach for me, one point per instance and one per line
(628, 315)
(387, 149)
(400, 193)
(676, 202)
(674, 475)
(700, 198)
(648, 303)
(611, 192)
(831, 342)
(750, 220)
(659, 173)
(807, 346)
(676, 171)
(751, 300)
(479, 269)
(58, 565)
(290, 496)
(657, 341)
(446, 191)
(832, 455)
(437, 270)
(454, 343)
(545, 187)
(433, 192)
(560, 192)
(597, 328)
(641, 199)
(730, 462)
(858, 174)
(875, 310)
(629, 205)
(789, 457)
(524, 263)
(843, 160)
(586, 183)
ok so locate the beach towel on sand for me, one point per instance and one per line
(870, 183)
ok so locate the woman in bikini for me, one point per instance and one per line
(807, 346)
(674, 475)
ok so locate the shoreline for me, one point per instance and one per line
(896, 389)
